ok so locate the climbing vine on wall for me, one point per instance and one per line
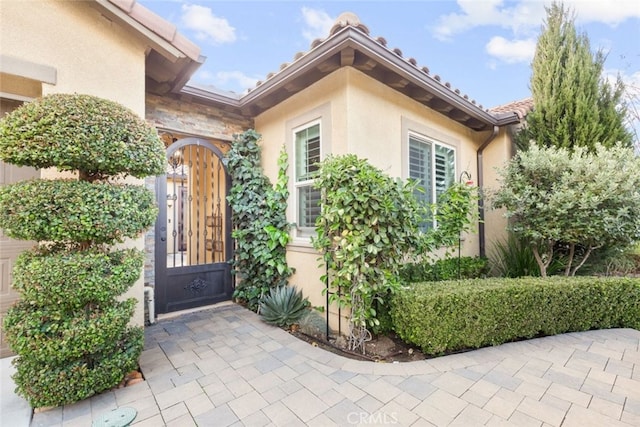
(367, 226)
(261, 229)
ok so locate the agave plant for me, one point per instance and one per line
(283, 306)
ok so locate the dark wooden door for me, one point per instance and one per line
(193, 231)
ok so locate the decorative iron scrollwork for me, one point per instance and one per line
(197, 285)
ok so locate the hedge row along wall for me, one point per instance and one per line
(450, 316)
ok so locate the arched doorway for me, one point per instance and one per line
(193, 232)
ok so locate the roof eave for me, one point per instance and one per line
(507, 119)
(350, 37)
(158, 43)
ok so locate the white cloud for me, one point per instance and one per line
(631, 81)
(521, 18)
(511, 51)
(632, 98)
(608, 12)
(525, 16)
(318, 23)
(206, 25)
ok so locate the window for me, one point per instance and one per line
(432, 165)
(307, 157)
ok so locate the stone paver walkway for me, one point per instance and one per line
(224, 366)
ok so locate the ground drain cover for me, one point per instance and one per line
(120, 417)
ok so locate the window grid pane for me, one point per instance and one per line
(445, 168)
(433, 167)
(308, 205)
(420, 169)
(307, 152)
(307, 155)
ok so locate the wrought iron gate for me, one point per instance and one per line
(193, 230)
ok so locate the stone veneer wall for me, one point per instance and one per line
(183, 116)
(194, 118)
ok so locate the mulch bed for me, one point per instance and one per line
(387, 348)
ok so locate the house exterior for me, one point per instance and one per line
(349, 93)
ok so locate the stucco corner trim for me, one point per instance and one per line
(27, 69)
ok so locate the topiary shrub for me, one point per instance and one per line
(73, 277)
(97, 137)
(76, 211)
(69, 330)
(450, 316)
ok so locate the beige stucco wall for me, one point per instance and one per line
(495, 156)
(90, 55)
(368, 119)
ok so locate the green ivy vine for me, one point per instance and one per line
(261, 229)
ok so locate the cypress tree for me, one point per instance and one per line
(574, 105)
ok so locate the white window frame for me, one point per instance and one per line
(304, 230)
(433, 143)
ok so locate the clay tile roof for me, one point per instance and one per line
(521, 108)
(348, 19)
(158, 26)
(415, 81)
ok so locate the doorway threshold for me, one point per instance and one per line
(174, 314)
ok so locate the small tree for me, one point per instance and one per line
(367, 226)
(261, 229)
(580, 199)
(69, 330)
(574, 104)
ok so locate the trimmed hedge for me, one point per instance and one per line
(76, 379)
(70, 279)
(80, 211)
(55, 337)
(96, 136)
(450, 316)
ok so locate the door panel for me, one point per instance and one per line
(193, 231)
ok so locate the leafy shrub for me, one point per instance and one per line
(95, 136)
(579, 199)
(449, 316)
(66, 335)
(69, 330)
(367, 225)
(283, 306)
(444, 269)
(79, 211)
(455, 212)
(259, 216)
(78, 379)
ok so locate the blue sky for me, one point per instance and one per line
(482, 47)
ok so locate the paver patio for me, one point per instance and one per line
(224, 366)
